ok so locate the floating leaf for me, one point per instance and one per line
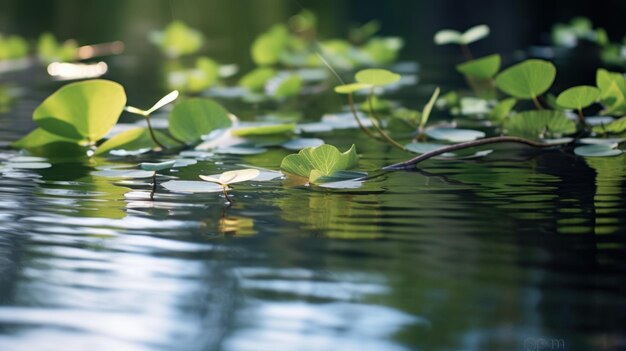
(528, 79)
(231, 177)
(288, 86)
(256, 79)
(448, 36)
(351, 88)
(324, 158)
(39, 138)
(302, 143)
(27, 165)
(502, 110)
(617, 126)
(482, 68)
(273, 129)
(376, 77)
(612, 87)
(147, 166)
(598, 150)
(595, 141)
(178, 39)
(454, 135)
(578, 97)
(134, 139)
(193, 118)
(85, 110)
(267, 48)
(191, 186)
(240, 150)
(535, 124)
(317, 177)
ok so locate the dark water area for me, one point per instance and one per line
(519, 250)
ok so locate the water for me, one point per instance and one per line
(521, 250)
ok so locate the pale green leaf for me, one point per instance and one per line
(193, 118)
(376, 77)
(528, 79)
(578, 97)
(481, 68)
(539, 124)
(324, 158)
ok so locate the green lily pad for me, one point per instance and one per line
(578, 97)
(617, 126)
(502, 110)
(193, 118)
(192, 186)
(85, 110)
(325, 158)
(598, 150)
(267, 48)
(612, 87)
(288, 86)
(376, 77)
(537, 124)
(177, 39)
(481, 68)
(528, 79)
(273, 129)
(256, 79)
(351, 88)
(454, 135)
(134, 139)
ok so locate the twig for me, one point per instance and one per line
(358, 120)
(375, 119)
(460, 146)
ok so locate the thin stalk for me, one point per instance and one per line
(467, 52)
(154, 185)
(537, 104)
(375, 118)
(226, 194)
(581, 119)
(460, 146)
(156, 141)
(356, 117)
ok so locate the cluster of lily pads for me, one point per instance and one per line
(48, 48)
(287, 57)
(80, 120)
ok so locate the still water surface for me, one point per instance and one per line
(520, 250)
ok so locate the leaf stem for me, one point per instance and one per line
(226, 194)
(467, 52)
(154, 186)
(460, 146)
(537, 103)
(156, 141)
(358, 120)
(375, 119)
(581, 119)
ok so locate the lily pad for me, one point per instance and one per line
(85, 110)
(325, 158)
(240, 150)
(538, 124)
(193, 118)
(351, 88)
(481, 68)
(256, 79)
(27, 165)
(192, 186)
(617, 126)
(231, 177)
(454, 135)
(272, 129)
(578, 97)
(376, 77)
(134, 139)
(598, 150)
(123, 173)
(502, 110)
(528, 79)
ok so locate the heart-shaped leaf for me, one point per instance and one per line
(528, 79)
(193, 118)
(537, 124)
(482, 68)
(85, 110)
(325, 158)
(578, 97)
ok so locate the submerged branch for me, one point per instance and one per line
(465, 145)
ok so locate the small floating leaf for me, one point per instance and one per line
(502, 110)
(578, 97)
(324, 158)
(351, 88)
(231, 177)
(482, 68)
(264, 130)
(317, 177)
(147, 166)
(595, 141)
(84, 110)
(191, 186)
(528, 79)
(193, 118)
(27, 165)
(598, 150)
(287, 87)
(240, 150)
(256, 79)
(376, 76)
(177, 39)
(134, 139)
(454, 135)
(617, 126)
(535, 124)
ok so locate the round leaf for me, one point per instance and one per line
(351, 88)
(599, 150)
(482, 68)
(578, 97)
(376, 76)
(83, 110)
(454, 135)
(193, 118)
(534, 124)
(528, 79)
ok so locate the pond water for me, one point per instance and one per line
(520, 250)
